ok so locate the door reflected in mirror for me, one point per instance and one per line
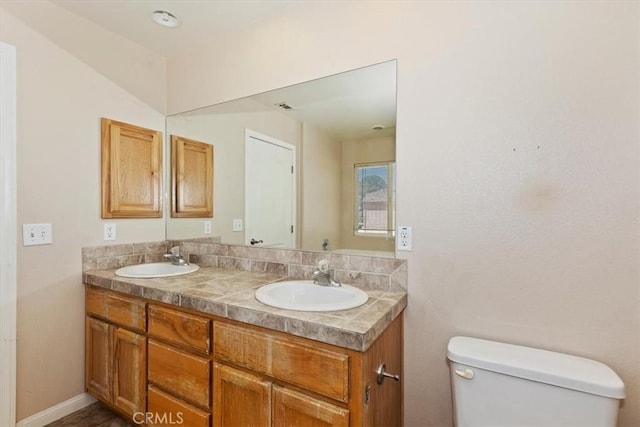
(309, 166)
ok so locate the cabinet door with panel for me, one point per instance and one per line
(240, 398)
(191, 178)
(129, 371)
(131, 171)
(292, 408)
(115, 345)
(115, 366)
(246, 399)
(99, 359)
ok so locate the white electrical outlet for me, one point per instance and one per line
(37, 234)
(207, 227)
(109, 231)
(237, 225)
(403, 239)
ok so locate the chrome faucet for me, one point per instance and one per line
(321, 275)
(175, 257)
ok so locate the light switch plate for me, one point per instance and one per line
(37, 234)
(237, 225)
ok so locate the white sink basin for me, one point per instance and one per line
(304, 295)
(155, 269)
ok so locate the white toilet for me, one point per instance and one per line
(496, 384)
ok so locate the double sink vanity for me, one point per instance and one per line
(201, 349)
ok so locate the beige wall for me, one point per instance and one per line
(60, 102)
(227, 134)
(321, 182)
(517, 153)
(127, 64)
(367, 150)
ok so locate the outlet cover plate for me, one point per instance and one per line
(404, 239)
(109, 231)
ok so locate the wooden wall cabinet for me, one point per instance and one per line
(115, 353)
(131, 171)
(191, 178)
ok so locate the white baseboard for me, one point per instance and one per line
(58, 411)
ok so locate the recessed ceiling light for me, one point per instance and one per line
(164, 18)
(377, 127)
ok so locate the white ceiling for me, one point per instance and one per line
(201, 20)
(346, 105)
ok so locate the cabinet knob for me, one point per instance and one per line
(382, 374)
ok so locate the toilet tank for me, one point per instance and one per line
(498, 384)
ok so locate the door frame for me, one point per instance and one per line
(8, 235)
(294, 202)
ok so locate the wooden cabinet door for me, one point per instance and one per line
(99, 360)
(131, 171)
(291, 408)
(166, 409)
(191, 178)
(129, 371)
(240, 398)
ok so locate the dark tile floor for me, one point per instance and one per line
(94, 415)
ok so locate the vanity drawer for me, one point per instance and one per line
(180, 328)
(118, 309)
(170, 410)
(184, 375)
(314, 368)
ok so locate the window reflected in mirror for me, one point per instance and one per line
(374, 196)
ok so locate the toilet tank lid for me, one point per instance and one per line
(543, 366)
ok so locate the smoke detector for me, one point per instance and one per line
(164, 18)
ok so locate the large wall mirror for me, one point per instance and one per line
(309, 166)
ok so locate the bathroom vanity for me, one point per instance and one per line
(200, 350)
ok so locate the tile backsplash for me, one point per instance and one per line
(115, 256)
(363, 271)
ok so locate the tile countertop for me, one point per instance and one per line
(229, 294)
